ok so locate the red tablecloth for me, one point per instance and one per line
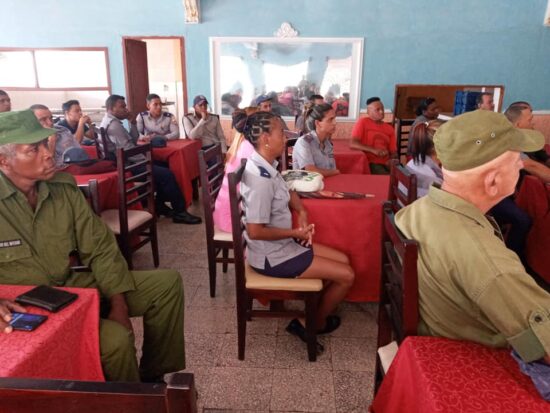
(107, 187)
(182, 158)
(349, 161)
(439, 375)
(91, 151)
(534, 197)
(353, 227)
(66, 346)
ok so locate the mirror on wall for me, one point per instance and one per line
(289, 70)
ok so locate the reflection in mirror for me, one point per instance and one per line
(287, 70)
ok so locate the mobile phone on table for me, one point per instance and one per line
(26, 321)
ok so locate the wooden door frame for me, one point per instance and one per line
(182, 57)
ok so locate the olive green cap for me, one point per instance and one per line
(477, 137)
(22, 128)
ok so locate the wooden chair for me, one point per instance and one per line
(403, 189)
(134, 227)
(91, 193)
(102, 146)
(71, 396)
(398, 306)
(286, 158)
(211, 178)
(402, 131)
(252, 285)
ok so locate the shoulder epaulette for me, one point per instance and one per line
(144, 113)
(167, 114)
(264, 172)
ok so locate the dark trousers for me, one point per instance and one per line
(507, 212)
(166, 187)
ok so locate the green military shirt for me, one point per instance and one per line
(471, 286)
(35, 245)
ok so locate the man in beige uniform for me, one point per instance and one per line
(471, 286)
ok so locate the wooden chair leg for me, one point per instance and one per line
(155, 245)
(126, 251)
(311, 328)
(249, 304)
(225, 255)
(242, 315)
(212, 270)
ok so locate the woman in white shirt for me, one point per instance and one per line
(424, 163)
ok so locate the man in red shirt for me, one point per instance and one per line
(374, 137)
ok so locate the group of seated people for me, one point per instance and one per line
(471, 286)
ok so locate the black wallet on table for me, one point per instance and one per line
(48, 298)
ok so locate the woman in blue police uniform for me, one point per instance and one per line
(272, 246)
(313, 151)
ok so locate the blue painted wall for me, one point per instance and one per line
(422, 41)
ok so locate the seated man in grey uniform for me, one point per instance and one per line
(313, 151)
(471, 287)
(68, 154)
(48, 218)
(204, 125)
(167, 189)
(155, 122)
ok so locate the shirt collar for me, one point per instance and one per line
(260, 160)
(7, 188)
(454, 203)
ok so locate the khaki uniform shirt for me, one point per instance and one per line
(35, 245)
(208, 131)
(471, 286)
(165, 125)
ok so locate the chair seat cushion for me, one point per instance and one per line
(135, 218)
(256, 281)
(220, 235)
(387, 354)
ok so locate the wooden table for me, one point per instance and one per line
(353, 227)
(432, 374)
(65, 346)
(107, 187)
(349, 161)
(181, 155)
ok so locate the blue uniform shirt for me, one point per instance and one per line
(265, 200)
(307, 151)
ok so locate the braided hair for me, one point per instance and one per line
(254, 125)
(316, 112)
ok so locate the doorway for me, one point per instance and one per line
(155, 64)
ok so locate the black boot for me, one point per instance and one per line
(185, 218)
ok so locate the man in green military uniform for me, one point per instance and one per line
(46, 217)
(471, 286)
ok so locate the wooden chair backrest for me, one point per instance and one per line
(135, 182)
(91, 193)
(286, 158)
(237, 225)
(211, 178)
(402, 130)
(399, 287)
(403, 189)
(102, 146)
(70, 396)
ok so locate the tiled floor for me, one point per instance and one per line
(275, 375)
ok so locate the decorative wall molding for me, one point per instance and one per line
(192, 11)
(286, 30)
